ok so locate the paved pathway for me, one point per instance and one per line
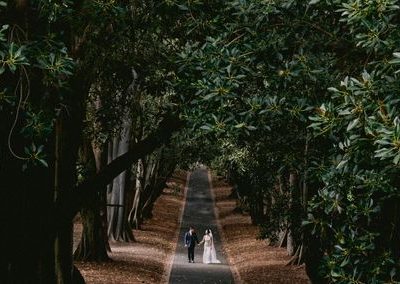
(199, 212)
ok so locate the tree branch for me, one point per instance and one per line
(81, 195)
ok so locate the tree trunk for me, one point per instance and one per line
(301, 208)
(155, 185)
(68, 137)
(83, 193)
(29, 210)
(163, 169)
(94, 242)
(294, 195)
(290, 245)
(135, 217)
(256, 203)
(149, 186)
(118, 227)
(92, 246)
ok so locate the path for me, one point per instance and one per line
(199, 212)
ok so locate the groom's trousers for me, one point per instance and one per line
(191, 253)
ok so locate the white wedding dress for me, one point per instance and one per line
(209, 254)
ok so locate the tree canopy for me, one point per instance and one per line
(295, 102)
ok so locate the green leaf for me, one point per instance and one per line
(240, 125)
(396, 54)
(338, 247)
(205, 127)
(44, 163)
(383, 153)
(345, 112)
(353, 124)
(396, 159)
(341, 164)
(395, 61)
(345, 262)
(229, 69)
(183, 7)
(335, 274)
(332, 89)
(13, 68)
(209, 96)
(383, 142)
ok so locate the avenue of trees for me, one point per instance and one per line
(294, 102)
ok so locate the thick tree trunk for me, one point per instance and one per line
(27, 242)
(68, 132)
(117, 211)
(94, 242)
(118, 227)
(92, 246)
(312, 257)
(44, 244)
(100, 156)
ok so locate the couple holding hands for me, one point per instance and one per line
(209, 254)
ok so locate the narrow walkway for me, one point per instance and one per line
(199, 212)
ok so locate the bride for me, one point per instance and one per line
(209, 254)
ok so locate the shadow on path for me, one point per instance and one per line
(199, 212)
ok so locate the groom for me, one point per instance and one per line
(190, 242)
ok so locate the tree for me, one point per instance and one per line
(50, 57)
(261, 85)
(295, 101)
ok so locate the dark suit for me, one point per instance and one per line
(190, 242)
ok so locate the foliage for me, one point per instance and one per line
(266, 82)
(269, 90)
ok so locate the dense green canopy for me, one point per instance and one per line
(295, 102)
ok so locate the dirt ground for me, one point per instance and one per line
(251, 260)
(148, 259)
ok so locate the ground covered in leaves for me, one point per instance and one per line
(251, 260)
(148, 259)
